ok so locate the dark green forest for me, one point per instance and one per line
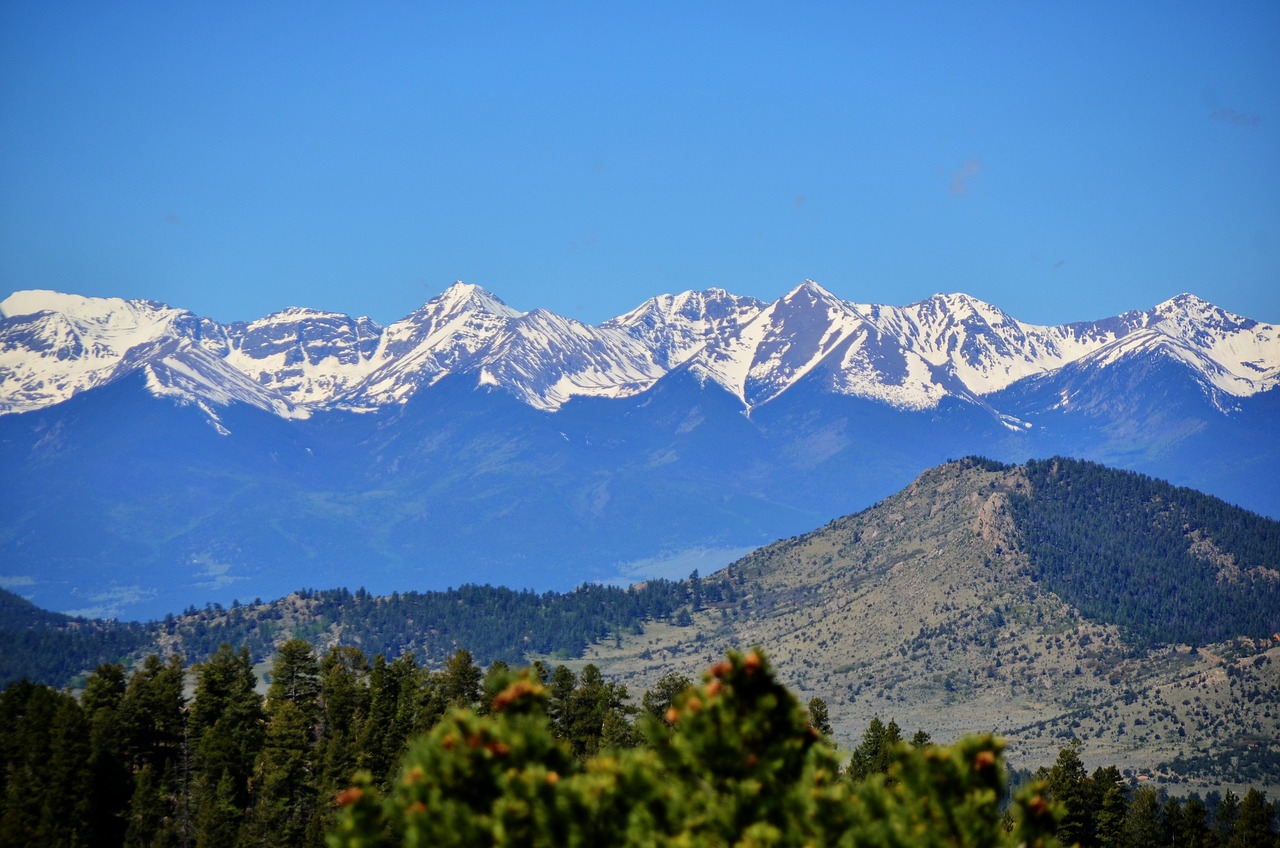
(1166, 564)
(495, 623)
(345, 751)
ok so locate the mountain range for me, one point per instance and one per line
(154, 458)
(301, 361)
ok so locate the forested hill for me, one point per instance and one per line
(1164, 563)
(48, 647)
(492, 623)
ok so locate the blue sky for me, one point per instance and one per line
(1064, 161)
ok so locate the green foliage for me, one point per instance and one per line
(547, 757)
(818, 717)
(47, 647)
(735, 762)
(494, 623)
(1189, 576)
(875, 752)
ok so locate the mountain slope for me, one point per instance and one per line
(933, 609)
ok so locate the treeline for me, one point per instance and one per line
(457, 755)
(545, 756)
(55, 648)
(135, 762)
(1101, 810)
(493, 622)
(1167, 564)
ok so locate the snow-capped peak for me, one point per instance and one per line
(53, 345)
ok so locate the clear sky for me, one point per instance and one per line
(1064, 161)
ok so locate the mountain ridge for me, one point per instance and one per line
(53, 345)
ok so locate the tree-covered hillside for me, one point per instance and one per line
(1167, 564)
(48, 647)
(497, 624)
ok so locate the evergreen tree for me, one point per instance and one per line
(394, 701)
(148, 821)
(285, 771)
(284, 788)
(1069, 785)
(875, 752)
(1110, 805)
(560, 690)
(588, 711)
(1195, 824)
(295, 677)
(818, 716)
(220, 815)
(460, 679)
(227, 726)
(1253, 826)
(1225, 814)
(1142, 824)
(656, 701)
(110, 775)
(65, 806)
(344, 699)
(152, 713)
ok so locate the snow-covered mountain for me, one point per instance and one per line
(54, 346)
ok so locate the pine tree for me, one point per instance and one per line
(460, 679)
(65, 808)
(1142, 824)
(1195, 824)
(111, 779)
(874, 754)
(1253, 826)
(1225, 814)
(283, 780)
(818, 716)
(1069, 785)
(152, 713)
(344, 699)
(656, 701)
(227, 727)
(1110, 805)
(285, 771)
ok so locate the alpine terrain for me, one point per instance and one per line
(155, 459)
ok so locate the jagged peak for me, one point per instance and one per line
(461, 296)
(960, 303)
(1192, 306)
(811, 289)
(1183, 302)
